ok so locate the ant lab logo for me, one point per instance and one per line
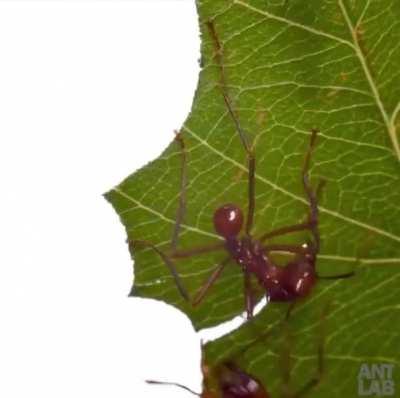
(376, 380)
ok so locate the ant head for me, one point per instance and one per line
(228, 220)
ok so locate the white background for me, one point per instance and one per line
(89, 92)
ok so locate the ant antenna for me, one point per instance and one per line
(220, 61)
(167, 261)
(219, 54)
(165, 383)
(264, 335)
(314, 381)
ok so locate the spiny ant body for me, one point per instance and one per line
(281, 283)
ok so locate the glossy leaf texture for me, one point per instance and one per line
(290, 66)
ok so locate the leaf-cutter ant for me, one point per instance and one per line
(227, 380)
(281, 283)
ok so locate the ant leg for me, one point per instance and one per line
(285, 359)
(338, 276)
(320, 359)
(344, 275)
(198, 250)
(166, 383)
(290, 310)
(296, 249)
(210, 281)
(285, 230)
(168, 262)
(251, 193)
(260, 334)
(180, 213)
(312, 195)
(242, 135)
(175, 234)
(249, 295)
(350, 273)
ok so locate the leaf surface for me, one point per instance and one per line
(291, 66)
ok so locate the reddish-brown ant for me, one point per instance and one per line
(227, 380)
(282, 283)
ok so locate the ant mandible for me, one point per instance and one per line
(227, 380)
(282, 283)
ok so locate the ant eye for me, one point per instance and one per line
(228, 220)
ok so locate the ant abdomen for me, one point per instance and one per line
(228, 220)
(287, 283)
(300, 277)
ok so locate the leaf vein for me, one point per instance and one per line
(293, 196)
(293, 23)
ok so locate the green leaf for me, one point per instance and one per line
(360, 328)
(291, 66)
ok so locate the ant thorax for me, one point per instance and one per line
(295, 279)
(248, 254)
